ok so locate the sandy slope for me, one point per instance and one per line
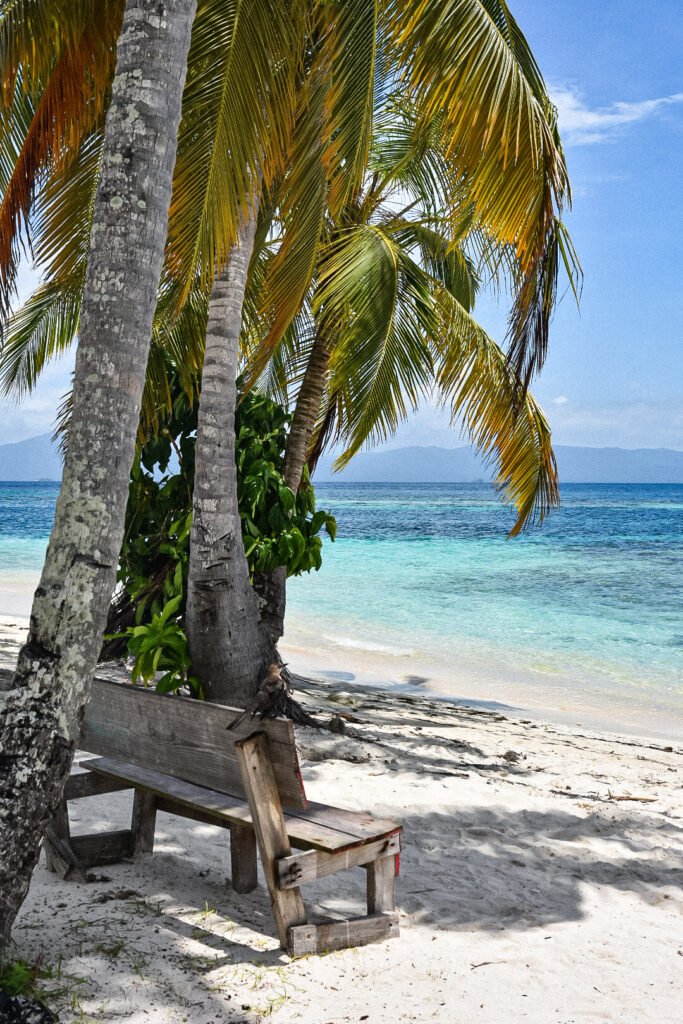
(529, 891)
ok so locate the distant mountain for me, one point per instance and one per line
(462, 465)
(34, 459)
(38, 459)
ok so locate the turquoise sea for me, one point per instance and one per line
(581, 620)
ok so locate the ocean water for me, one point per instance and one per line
(581, 620)
(26, 514)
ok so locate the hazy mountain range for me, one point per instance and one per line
(462, 465)
(38, 459)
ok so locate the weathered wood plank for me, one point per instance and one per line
(244, 869)
(103, 847)
(64, 861)
(184, 738)
(324, 938)
(59, 854)
(312, 864)
(143, 822)
(216, 808)
(270, 828)
(83, 784)
(57, 832)
(357, 824)
(381, 885)
(193, 813)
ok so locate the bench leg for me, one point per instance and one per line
(243, 858)
(143, 822)
(381, 885)
(58, 832)
(271, 832)
(59, 855)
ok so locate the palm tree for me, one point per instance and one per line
(463, 60)
(227, 642)
(40, 719)
(464, 63)
(388, 321)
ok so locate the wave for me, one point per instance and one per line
(360, 645)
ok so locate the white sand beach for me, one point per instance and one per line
(541, 881)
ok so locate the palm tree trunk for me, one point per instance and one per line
(306, 411)
(272, 586)
(41, 716)
(228, 645)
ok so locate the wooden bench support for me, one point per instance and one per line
(312, 864)
(244, 871)
(59, 853)
(381, 885)
(271, 832)
(324, 938)
(143, 822)
(103, 847)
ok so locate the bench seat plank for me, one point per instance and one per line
(359, 824)
(304, 832)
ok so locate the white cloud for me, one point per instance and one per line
(560, 400)
(582, 125)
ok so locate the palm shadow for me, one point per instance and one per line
(525, 869)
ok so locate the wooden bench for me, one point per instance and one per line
(181, 756)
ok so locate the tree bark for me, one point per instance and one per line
(272, 587)
(306, 411)
(229, 646)
(41, 716)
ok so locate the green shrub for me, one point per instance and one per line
(279, 528)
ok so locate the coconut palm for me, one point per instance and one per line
(465, 65)
(41, 716)
(465, 60)
(388, 321)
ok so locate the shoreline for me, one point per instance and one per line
(497, 688)
(513, 697)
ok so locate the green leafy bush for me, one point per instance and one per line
(146, 619)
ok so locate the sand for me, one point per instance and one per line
(541, 881)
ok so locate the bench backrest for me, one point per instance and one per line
(188, 739)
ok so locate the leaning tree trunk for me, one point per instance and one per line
(272, 586)
(306, 411)
(41, 715)
(228, 645)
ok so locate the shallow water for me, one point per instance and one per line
(587, 611)
(422, 588)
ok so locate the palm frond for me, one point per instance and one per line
(477, 384)
(43, 327)
(302, 201)
(449, 263)
(52, 100)
(238, 112)
(46, 324)
(349, 39)
(529, 324)
(371, 299)
(468, 63)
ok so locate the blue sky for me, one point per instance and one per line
(614, 375)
